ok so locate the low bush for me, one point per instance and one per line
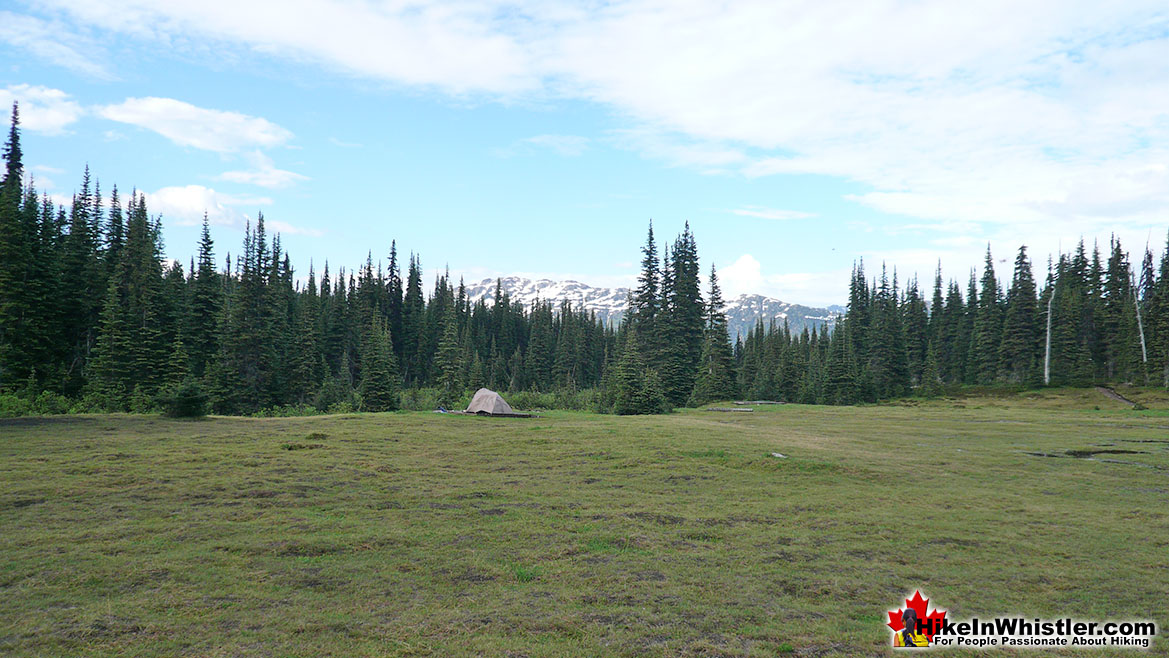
(288, 411)
(332, 393)
(341, 408)
(12, 406)
(49, 403)
(96, 403)
(185, 400)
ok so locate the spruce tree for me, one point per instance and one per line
(379, 388)
(15, 260)
(840, 381)
(681, 320)
(448, 361)
(203, 311)
(1019, 353)
(987, 337)
(716, 374)
(637, 388)
(915, 319)
(644, 301)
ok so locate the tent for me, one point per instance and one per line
(489, 403)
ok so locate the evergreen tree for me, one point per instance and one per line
(202, 316)
(637, 388)
(681, 321)
(888, 359)
(448, 361)
(15, 261)
(840, 382)
(987, 338)
(133, 347)
(379, 372)
(716, 375)
(644, 302)
(1019, 351)
(247, 355)
(915, 319)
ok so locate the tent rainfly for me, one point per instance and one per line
(489, 403)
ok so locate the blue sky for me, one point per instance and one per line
(539, 138)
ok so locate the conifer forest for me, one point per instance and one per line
(94, 317)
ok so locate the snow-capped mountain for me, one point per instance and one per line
(610, 303)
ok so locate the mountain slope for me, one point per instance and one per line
(610, 303)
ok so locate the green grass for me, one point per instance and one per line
(419, 534)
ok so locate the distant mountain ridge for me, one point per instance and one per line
(609, 304)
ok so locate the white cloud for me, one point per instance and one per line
(455, 46)
(263, 173)
(566, 145)
(745, 276)
(52, 42)
(343, 144)
(42, 109)
(185, 206)
(201, 128)
(42, 175)
(772, 213)
(678, 150)
(995, 113)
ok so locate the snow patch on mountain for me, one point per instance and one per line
(610, 304)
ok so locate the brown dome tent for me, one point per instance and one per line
(489, 403)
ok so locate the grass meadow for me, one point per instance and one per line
(576, 534)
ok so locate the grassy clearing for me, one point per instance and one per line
(417, 534)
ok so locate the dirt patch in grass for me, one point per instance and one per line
(658, 518)
(1090, 453)
(21, 503)
(301, 446)
(40, 421)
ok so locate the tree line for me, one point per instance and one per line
(1109, 323)
(91, 311)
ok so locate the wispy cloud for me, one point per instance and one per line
(772, 213)
(566, 145)
(1039, 118)
(343, 144)
(679, 150)
(197, 127)
(456, 47)
(185, 206)
(263, 173)
(53, 42)
(42, 109)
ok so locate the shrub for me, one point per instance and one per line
(288, 411)
(96, 403)
(48, 403)
(140, 402)
(12, 406)
(530, 400)
(429, 399)
(333, 392)
(186, 400)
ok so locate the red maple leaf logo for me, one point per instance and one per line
(919, 606)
